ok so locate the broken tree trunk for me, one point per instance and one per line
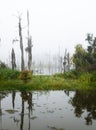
(21, 45)
(13, 59)
(29, 48)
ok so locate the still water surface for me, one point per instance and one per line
(48, 110)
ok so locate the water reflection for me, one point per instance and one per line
(85, 101)
(47, 110)
(26, 96)
(2, 95)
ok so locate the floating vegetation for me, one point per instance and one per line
(38, 106)
(44, 104)
(50, 111)
(34, 117)
(60, 108)
(61, 117)
(11, 111)
(54, 128)
(42, 112)
(23, 113)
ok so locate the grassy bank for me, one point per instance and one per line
(9, 80)
(46, 83)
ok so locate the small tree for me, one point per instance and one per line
(79, 58)
(91, 49)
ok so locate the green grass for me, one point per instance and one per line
(71, 80)
(46, 83)
(7, 74)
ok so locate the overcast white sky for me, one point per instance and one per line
(53, 24)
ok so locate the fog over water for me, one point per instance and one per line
(54, 25)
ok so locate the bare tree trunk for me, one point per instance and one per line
(30, 54)
(29, 48)
(21, 45)
(13, 59)
(64, 62)
(68, 59)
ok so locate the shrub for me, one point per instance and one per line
(93, 78)
(72, 74)
(25, 75)
(8, 73)
(86, 77)
(3, 65)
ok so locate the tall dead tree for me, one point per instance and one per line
(68, 60)
(21, 45)
(13, 59)
(30, 54)
(29, 47)
(65, 60)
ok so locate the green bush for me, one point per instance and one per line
(3, 65)
(72, 74)
(8, 73)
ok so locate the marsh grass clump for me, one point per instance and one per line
(93, 77)
(25, 75)
(86, 77)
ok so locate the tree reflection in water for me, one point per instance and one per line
(84, 104)
(13, 98)
(85, 101)
(26, 96)
(2, 95)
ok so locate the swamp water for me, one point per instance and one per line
(48, 110)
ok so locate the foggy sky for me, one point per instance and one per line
(54, 25)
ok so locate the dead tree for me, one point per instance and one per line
(13, 59)
(21, 45)
(65, 60)
(68, 60)
(29, 50)
(29, 47)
